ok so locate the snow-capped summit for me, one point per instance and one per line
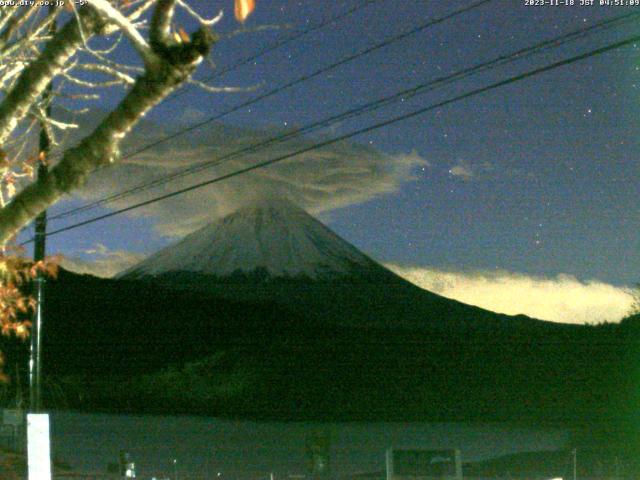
(274, 237)
(275, 252)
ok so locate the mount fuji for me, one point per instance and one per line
(266, 313)
(273, 239)
(275, 251)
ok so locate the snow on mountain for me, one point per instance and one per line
(275, 237)
(275, 252)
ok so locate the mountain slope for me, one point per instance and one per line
(129, 346)
(268, 314)
(275, 237)
(275, 251)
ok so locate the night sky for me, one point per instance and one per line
(535, 180)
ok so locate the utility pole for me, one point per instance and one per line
(35, 354)
(38, 431)
(35, 361)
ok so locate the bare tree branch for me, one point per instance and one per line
(160, 34)
(15, 22)
(203, 21)
(214, 89)
(113, 15)
(35, 78)
(176, 63)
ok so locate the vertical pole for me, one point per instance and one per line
(575, 463)
(35, 360)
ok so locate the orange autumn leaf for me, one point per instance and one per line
(51, 269)
(21, 331)
(42, 157)
(4, 160)
(11, 189)
(243, 9)
(184, 36)
(21, 305)
(27, 169)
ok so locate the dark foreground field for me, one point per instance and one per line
(129, 347)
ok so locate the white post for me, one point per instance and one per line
(38, 446)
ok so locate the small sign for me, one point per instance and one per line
(11, 416)
(38, 446)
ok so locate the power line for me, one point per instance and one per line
(274, 46)
(407, 93)
(281, 43)
(302, 79)
(370, 128)
(314, 74)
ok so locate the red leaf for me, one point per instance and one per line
(184, 36)
(243, 9)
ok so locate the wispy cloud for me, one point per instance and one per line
(467, 171)
(462, 171)
(101, 261)
(319, 180)
(563, 298)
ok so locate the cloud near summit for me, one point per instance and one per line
(319, 180)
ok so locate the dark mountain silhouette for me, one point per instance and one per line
(323, 333)
(275, 251)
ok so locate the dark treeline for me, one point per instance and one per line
(131, 347)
